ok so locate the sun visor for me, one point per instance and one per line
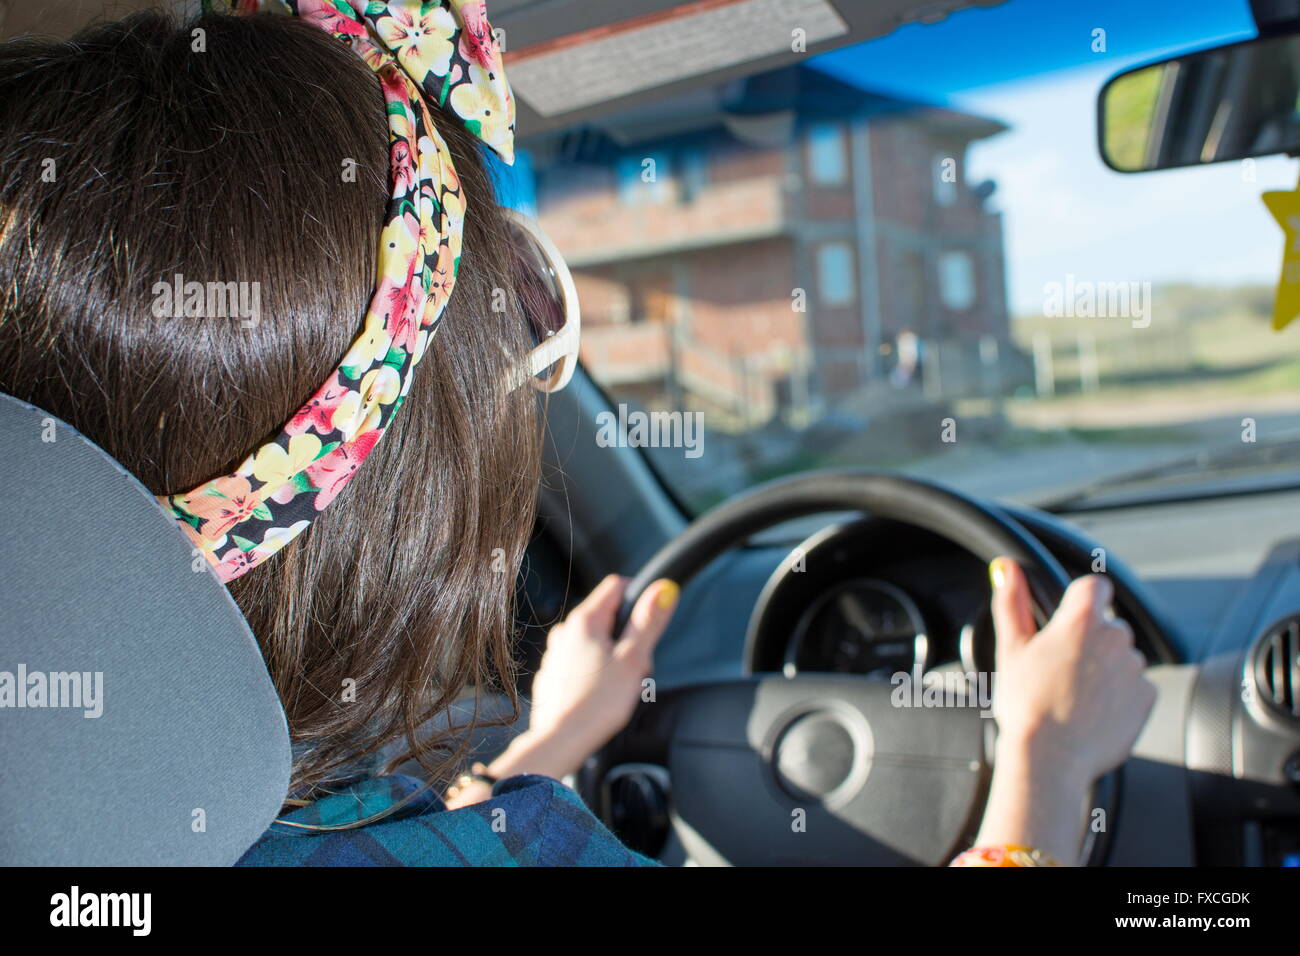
(575, 63)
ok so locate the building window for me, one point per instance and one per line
(695, 174)
(826, 163)
(944, 174)
(957, 280)
(835, 283)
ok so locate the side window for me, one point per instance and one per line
(835, 280)
(827, 165)
(957, 280)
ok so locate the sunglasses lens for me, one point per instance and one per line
(541, 297)
(538, 287)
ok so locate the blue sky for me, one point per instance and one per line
(1030, 64)
(981, 47)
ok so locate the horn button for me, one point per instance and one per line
(819, 754)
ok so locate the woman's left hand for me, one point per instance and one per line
(588, 685)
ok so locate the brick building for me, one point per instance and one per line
(762, 253)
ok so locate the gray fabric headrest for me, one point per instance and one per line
(138, 724)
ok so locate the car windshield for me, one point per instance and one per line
(904, 255)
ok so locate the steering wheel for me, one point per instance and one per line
(827, 768)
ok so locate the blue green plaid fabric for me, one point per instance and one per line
(530, 821)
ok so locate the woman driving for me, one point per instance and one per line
(355, 449)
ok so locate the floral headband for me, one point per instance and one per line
(444, 51)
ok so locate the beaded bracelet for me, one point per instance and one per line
(476, 774)
(1008, 854)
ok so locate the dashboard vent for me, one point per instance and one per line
(1277, 667)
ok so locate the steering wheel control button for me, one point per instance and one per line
(815, 756)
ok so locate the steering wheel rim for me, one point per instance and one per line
(981, 530)
(984, 531)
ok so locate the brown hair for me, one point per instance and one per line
(228, 165)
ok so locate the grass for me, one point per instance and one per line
(1130, 103)
(1132, 435)
(1202, 344)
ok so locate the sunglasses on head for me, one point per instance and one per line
(549, 301)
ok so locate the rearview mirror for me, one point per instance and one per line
(1227, 103)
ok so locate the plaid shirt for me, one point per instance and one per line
(530, 821)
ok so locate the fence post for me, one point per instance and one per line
(1044, 374)
(1089, 372)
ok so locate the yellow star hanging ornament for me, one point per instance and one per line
(1285, 207)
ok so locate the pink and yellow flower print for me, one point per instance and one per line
(421, 36)
(442, 51)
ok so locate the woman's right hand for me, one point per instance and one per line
(1070, 700)
(1073, 694)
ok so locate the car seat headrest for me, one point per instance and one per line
(138, 724)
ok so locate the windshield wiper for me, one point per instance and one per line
(1181, 475)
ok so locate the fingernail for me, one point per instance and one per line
(997, 572)
(668, 594)
(1104, 594)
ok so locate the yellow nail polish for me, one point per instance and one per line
(997, 573)
(668, 594)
